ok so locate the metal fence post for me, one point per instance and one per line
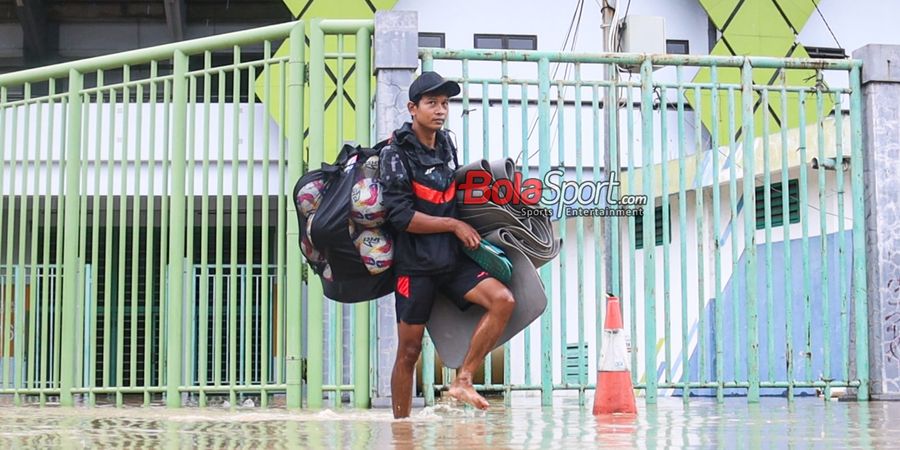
(295, 160)
(877, 93)
(176, 231)
(71, 272)
(361, 392)
(396, 59)
(315, 295)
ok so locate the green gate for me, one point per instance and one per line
(745, 271)
(149, 240)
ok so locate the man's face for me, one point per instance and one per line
(431, 111)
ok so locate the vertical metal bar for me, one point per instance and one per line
(682, 238)
(190, 245)
(24, 369)
(786, 225)
(361, 394)
(579, 239)
(120, 244)
(544, 167)
(562, 223)
(701, 236)
(135, 235)
(598, 257)
(466, 109)
(176, 231)
(632, 241)
(70, 255)
(203, 344)
(666, 219)
(108, 246)
(219, 287)
(842, 274)
(248, 329)
(337, 311)
(804, 244)
(50, 268)
(164, 231)
(525, 157)
(859, 236)
(280, 277)
(190, 272)
(504, 103)
(151, 244)
(264, 226)
(649, 231)
(33, 269)
(750, 231)
(316, 155)
(234, 212)
(717, 246)
(733, 218)
(59, 283)
(823, 242)
(767, 200)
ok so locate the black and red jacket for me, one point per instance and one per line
(415, 178)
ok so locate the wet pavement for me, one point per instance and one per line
(773, 423)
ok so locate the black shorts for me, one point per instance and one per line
(414, 294)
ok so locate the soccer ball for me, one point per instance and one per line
(375, 249)
(309, 251)
(370, 167)
(309, 196)
(367, 207)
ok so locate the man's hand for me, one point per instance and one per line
(466, 234)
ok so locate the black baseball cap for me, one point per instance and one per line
(432, 83)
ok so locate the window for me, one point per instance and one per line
(658, 218)
(777, 203)
(432, 40)
(506, 41)
(678, 47)
(826, 52)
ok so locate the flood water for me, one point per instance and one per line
(773, 423)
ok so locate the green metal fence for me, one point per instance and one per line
(149, 245)
(720, 305)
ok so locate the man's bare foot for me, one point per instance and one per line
(462, 390)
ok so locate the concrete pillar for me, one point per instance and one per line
(396, 60)
(881, 147)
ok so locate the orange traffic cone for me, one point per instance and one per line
(614, 393)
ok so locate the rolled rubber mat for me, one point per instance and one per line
(529, 243)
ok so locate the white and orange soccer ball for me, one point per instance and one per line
(375, 249)
(309, 197)
(367, 206)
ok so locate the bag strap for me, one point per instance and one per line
(452, 148)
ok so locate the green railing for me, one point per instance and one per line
(721, 304)
(159, 181)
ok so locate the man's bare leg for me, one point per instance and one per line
(499, 303)
(409, 345)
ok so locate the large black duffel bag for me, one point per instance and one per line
(327, 232)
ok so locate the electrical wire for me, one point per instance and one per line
(574, 25)
(827, 25)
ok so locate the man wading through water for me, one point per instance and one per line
(417, 174)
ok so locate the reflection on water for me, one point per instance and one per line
(774, 423)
